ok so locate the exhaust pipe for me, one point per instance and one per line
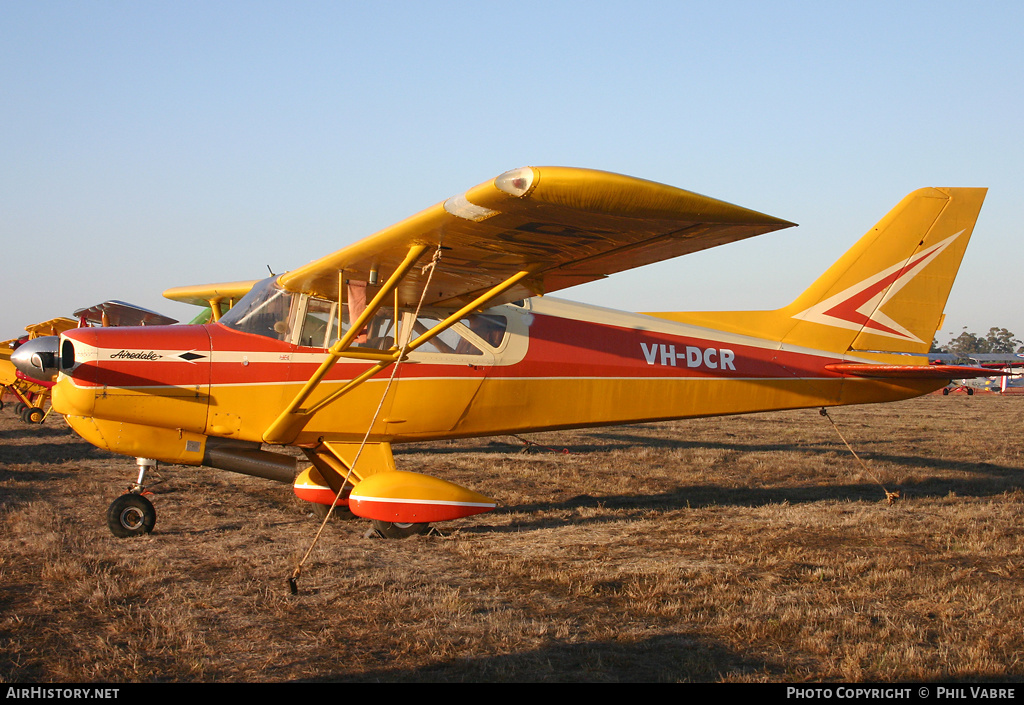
(249, 459)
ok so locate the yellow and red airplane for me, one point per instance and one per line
(436, 328)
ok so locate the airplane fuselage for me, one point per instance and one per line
(555, 364)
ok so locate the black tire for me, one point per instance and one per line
(970, 392)
(395, 530)
(945, 390)
(320, 511)
(19, 407)
(34, 415)
(131, 515)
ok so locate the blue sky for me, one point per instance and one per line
(146, 144)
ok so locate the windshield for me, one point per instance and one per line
(263, 311)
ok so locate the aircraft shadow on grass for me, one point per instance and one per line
(665, 658)
(987, 479)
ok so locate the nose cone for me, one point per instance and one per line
(38, 358)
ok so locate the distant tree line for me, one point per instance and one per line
(998, 340)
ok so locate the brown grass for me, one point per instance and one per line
(739, 549)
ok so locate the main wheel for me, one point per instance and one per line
(34, 414)
(396, 530)
(131, 515)
(320, 511)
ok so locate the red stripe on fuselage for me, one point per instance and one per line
(148, 356)
(559, 348)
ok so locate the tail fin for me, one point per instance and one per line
(889, 290)
(887, 293)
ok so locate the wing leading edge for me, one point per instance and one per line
(563, 226)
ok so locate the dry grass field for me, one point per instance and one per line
(742, 549)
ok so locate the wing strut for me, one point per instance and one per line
(295, 415)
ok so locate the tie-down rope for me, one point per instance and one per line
(890, 497)
(429, 269)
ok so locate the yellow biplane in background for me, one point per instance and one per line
(31, 385)
(31, 393)
(439, 327)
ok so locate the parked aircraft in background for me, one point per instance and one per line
(215, 299)
(121, 314)
(1006, 372)
(30, 383)
(440, 327)
(31, 394)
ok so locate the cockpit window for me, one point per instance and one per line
(488, 328)
(273, 312)
(263, 311)
(448, 342)
(319, 329)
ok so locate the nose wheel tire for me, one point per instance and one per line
(131, 515)
(396, 530)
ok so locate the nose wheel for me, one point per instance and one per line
(131, 514)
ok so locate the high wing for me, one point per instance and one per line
(559, 226)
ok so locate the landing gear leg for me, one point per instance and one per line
(131, 514)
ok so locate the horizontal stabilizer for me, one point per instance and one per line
(913, 371)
